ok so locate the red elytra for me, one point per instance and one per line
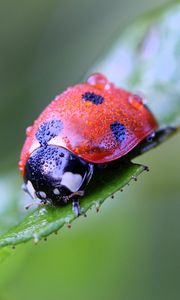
(86, 130)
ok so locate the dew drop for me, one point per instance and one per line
(28, 130)
(108, 87)
(97, 79)
(20, 165)
(136, 101)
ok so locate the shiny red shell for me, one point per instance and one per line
(86, 128)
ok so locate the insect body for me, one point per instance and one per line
(87, 126)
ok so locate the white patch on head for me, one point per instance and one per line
(56, 191)
(42, 195)
(71, 181)
(30, 189)
(57, 141)
(34, 146)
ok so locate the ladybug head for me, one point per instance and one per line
(52, 174)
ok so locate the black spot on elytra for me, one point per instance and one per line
(94, 98)
(119, 131)
(48, 130)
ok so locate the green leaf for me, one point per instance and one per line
(144, 58)
(45, 220)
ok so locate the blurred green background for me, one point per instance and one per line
(130, 250)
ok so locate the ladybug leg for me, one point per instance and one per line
(76, 207)
(78, 193)
(152, 141)
(75, 203)
(37, 203)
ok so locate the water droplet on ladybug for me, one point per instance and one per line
(136, 101)
(28, 130)
(108, 87)
(20, 164)
(97, 79)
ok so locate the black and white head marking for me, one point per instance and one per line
(53, 174)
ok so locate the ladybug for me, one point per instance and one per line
(89, 126)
